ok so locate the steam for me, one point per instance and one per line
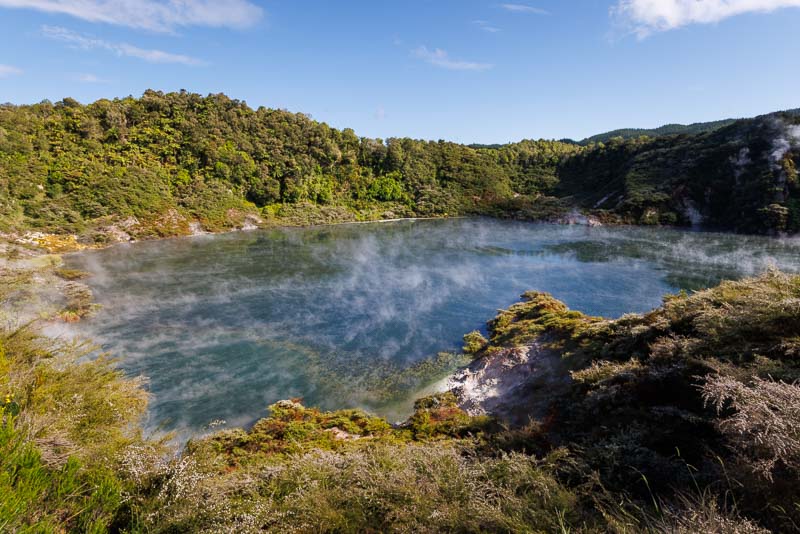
(226, 325)
(740, 162)
(788, 138)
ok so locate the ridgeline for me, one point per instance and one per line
(177, 163)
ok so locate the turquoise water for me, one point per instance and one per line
(225, 325)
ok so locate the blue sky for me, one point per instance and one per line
(462, 70)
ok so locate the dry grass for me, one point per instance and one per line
(411, 487)
(765, 421)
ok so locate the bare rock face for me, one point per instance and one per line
(515, 384)
(575, 217)
(196, 228)
(120, 232)
(252, 222)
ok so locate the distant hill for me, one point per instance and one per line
(667, 129)
(167, 163)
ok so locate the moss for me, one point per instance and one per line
(539, 313)
(474, 342)
(291, 428)
(72, 274)
(439, 416)
(57, 244)
(600, 371)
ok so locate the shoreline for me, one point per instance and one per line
(43, 243)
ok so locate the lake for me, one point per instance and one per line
(225, 325)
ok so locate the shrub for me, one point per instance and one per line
(41, 497)
(474, 342)
(765, 423)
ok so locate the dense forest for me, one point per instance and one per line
(661, 131)
(168, 164)
(668, 129)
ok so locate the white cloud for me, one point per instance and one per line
(151, 14)
(440, 58)
(89, 78)
(524, 8)
(380, 113)
(121, 49)
(485, 26)
(6, 71)
(644, 17)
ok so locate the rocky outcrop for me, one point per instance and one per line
(516, 384)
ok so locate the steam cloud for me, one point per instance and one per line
(226, 325)
(787, 139)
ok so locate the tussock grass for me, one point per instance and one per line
(380, 487)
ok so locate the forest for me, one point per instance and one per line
(170, 163)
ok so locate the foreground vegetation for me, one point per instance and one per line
(176, 163)
(697, 399)
(683, 419)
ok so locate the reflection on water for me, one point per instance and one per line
(225, 325)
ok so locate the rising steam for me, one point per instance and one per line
(225, 325)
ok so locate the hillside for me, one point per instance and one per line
(154, 165)
(667, 129)
(741, 177)
(177, 163)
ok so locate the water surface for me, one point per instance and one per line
(225, 325)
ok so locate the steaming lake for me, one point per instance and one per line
(225, 325)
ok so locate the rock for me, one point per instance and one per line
(252, 222)
(196, 228)
(516, 384)
(289, 405)
(575, 217)
(341, 435)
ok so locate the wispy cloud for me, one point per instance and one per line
(163, 16)
(486, 26)
(121, 49)
(6, 71)
(440, 58)
(644, 17)
(524, 8)
(89, 78)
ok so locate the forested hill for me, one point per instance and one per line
(741, 177)
(667, 129)
(168, 164)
